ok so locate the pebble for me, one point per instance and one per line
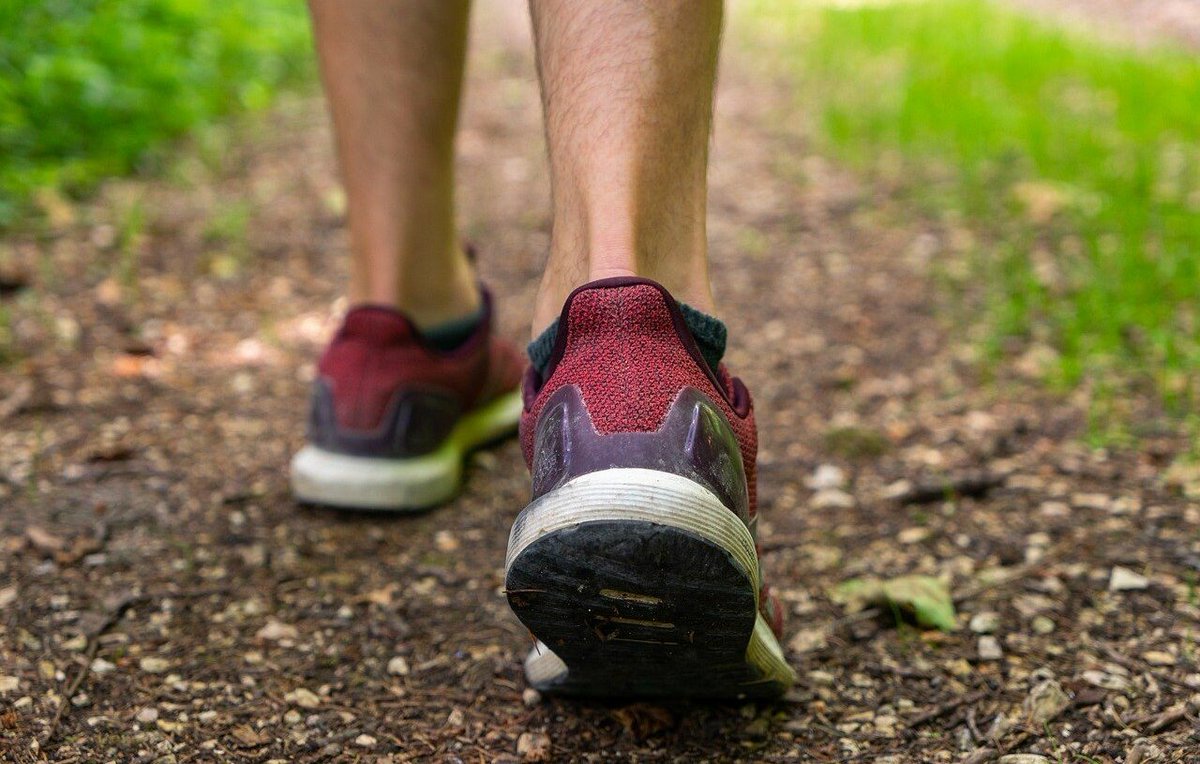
(912, 535)
(147, 715)
(807, 640)
(1105, 680)
(984, 623)
(1091, 501)
(989, 649)
(154, 665)
(1024, 758)
(832, 498)
(1158, 658)
(101, 666)
(398, 666)
(365, 741)
(275, 631)
(1124, 579)
(533, 746)
(303, 697)
(1056, 509)
(531, 697)
(1042, 625)
(292, 717)
(1045, 701)
(826, 476)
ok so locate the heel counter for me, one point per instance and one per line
(694, 441)
(627, 350)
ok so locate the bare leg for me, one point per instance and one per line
(393, 73)
(627, 92)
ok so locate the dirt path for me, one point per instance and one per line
(144, 431)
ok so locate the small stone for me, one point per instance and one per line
(1024, 758)
(989, 649)
(959, 667)
(147, 715)
(985, 623)
(807, 640)
(303, 697)
(292, 717)
(365, 741)
(913, 535)
(1056, 509)
(1124, 579)
(457, 719)
(533, 746)
(1091, 501)
(154, 665)
(1158, 658)
(885, 725)
(445, 541)
(826, 476)
(832, 498)
(275, 631)
(531, 697)
(896, 490)
(1045, 701)
(101, 666)
(1042, 625)
(1000, 727)
(1105, 680)
(1125, 505)
(398, 666)
(821, 678)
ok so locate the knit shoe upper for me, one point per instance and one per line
(626, 386)
(383, 391)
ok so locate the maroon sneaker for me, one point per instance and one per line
(635, 564)
(392, 418)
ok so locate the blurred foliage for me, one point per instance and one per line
(1075, 163)
(93, 88)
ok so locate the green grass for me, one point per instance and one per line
(96, 88)
(1077, 161)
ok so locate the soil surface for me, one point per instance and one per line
(163, 599)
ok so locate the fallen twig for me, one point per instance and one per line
(89, 655)
(969, 484)
(111, 619)
(945, 708)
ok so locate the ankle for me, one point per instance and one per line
(434, 292)
(686, 285)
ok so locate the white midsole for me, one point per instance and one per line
(633, 493)
(364, 482)
(656, 497)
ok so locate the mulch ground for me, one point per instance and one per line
(162, 599)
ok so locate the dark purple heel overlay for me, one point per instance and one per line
(414, 424)
(695, 441)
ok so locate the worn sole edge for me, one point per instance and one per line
(367, 483)
(649, 496)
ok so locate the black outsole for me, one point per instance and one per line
(638, 609)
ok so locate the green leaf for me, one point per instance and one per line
(926, 598)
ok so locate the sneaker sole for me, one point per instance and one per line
(398, 485)
(641, 583)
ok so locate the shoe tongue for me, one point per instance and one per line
(378, 324)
